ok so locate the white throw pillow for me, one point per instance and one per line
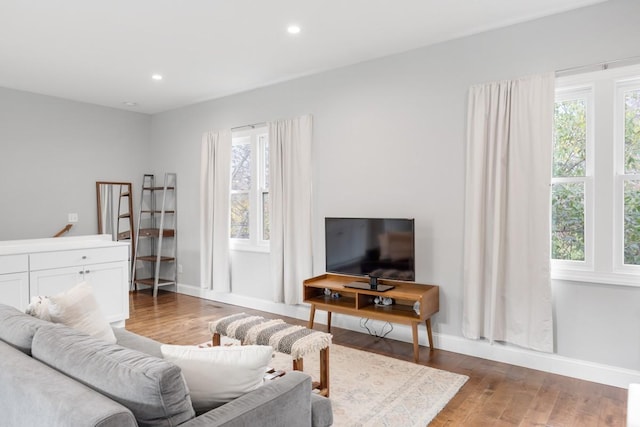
(76, 308)
(216, 375)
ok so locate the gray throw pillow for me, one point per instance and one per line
(153, 389)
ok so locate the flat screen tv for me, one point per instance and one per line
(380, 247)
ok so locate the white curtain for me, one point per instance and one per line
(290, 206)
(507, 290)
(215, 172)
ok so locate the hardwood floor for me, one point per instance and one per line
(496, 394)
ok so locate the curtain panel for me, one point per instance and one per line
(507, 285)
(215, 179)
(290, 206)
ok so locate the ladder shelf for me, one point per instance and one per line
(155, 261)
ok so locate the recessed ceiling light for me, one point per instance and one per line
(156, 77)
(293, 29)
(130, 103)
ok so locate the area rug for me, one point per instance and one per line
(368, 389)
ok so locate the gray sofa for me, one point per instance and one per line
(52, 375)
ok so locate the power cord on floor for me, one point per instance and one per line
(364, 323)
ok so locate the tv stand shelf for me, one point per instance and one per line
(360, 302)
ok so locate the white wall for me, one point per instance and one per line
(52, 152)
(389, 142)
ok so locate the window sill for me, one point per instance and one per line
(618, 279)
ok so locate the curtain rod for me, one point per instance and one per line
(598, 66)
(252, 126)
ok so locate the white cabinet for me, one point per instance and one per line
(54, 281)
(104, 278)
(14, 280)
(52, 266)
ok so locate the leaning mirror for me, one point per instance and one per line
(115, 210)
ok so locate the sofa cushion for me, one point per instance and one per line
(17, 329)
(75, 307)
(153, 389)
(217, 375)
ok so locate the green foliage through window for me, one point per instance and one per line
(568, 198)
(632, 222)
(632, 132)
(250, 188)
(240, 186)
(632, 186)
(240, 216)
(570, 138)
(567, 221)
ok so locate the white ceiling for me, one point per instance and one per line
(104, 52)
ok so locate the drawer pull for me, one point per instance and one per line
(84, 257)
(87, 271)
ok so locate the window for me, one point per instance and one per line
(571, 177)
(595, 184)
(250, 190)
(629, 171)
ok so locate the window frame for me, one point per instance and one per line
(621, 177)
(606, 205)
(258, 147)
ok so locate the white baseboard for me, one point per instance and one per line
(553, 363)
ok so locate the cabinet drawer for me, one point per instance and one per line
(14, 263)
(46, 260)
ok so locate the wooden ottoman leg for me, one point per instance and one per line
(215, 339)
(324, 372)
(298, 364)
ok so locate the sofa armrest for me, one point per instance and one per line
(321, 411)
(32, 394)
(279, 402)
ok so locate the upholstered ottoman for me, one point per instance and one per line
(294, 340)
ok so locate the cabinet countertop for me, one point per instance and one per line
(11, 247)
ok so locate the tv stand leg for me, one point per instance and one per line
(429, 334)
(416, 347)
(312, 314)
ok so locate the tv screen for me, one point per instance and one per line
(381, 247)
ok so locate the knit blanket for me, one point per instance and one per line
(284, 338)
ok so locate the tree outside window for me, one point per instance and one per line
(240, 189)
(631, 187)
(250, 189)
(569, 180)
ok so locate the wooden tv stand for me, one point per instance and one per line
(359, 302)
